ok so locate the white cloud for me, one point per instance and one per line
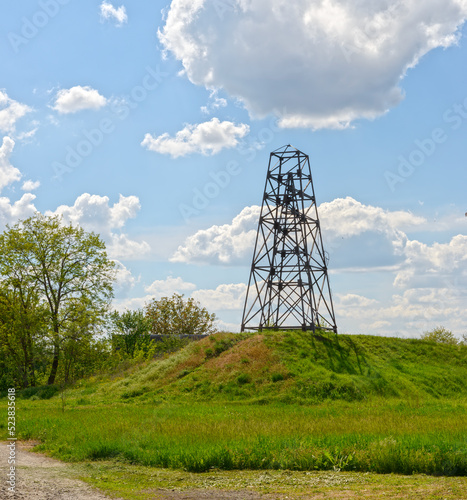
(125, 281)
(314, 63)
(407, 314)
(227, 244)
(169, 286)
(20, 209)
(8, 173)
(207, 138)
(109, 12)
(224, 297)
(342, 221)
(10, 112)
(78, 98)
(353, 300)
(434, 265)
(215, 102)
(30, 185)
(94, 213)
(347, 217)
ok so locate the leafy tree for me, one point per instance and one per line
(129, 330)
(440, 335)
(67, 270)
(22, 331)
(173, 315)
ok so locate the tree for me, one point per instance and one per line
(129, 330)
(175, 316)
(440, 335)
(22, 328)
(66, 268)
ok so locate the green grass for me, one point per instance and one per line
(381, 436)
(294, 367)
(288, 401)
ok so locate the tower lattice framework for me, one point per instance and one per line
(289, 286)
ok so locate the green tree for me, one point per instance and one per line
(68, 270)
(129, 330)
(173, 315)
(440, 335)
(22, 331)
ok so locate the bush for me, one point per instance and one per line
(41, 392)
(243, 379)
(441, 336)
(277, 377)
(173, 315)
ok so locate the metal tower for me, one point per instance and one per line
(288, 286)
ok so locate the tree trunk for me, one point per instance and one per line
(53, 371)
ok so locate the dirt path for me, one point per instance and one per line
(41, 478)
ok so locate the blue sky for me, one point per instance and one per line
(152, 123)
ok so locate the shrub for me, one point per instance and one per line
(173, 315)
(441, 336)
(243, 379)
(277, 377)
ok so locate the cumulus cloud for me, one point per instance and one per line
(227, 244)
(94, 213)
(8, 173)
(346, 217)
(434, 265)
(20, 209)
(10, 112)
(169, 286)
(406, 314)
(313, 63)
(78, 98)
(124, 282)
(225, 297)
(30, 185)
(342, 220)
(109, 12)
(207, 138)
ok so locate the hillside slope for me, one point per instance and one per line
(297, 367)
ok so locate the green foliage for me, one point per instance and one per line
(56, 286)
(440, 335)
(129, 332)
(243, 379)
(277, 377)
(173, 315)
(22, 334)
(40, 392)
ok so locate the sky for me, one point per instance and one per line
(151, 123)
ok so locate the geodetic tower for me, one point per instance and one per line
(289, 286)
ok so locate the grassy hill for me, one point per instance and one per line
(271, 400)
(297, 366)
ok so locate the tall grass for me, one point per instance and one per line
(380, 436)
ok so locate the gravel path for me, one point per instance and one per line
(41, 478)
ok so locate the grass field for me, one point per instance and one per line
(268, 402)
(379, 436)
